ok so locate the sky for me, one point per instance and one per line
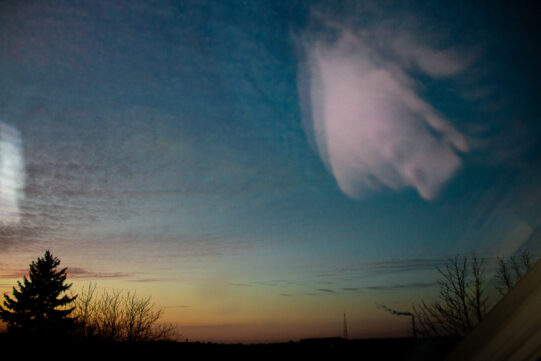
(260, 168)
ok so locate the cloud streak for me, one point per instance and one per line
(369, 124)
(84, 274)
(384, 267)
(408, 286)
(325, 290)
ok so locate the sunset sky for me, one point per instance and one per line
(261, 167)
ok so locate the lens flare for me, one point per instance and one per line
(12, 175)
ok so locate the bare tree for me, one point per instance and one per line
(120, 316)
(140, 320)
(511, 270)
(463, 294)
(462, 299)
(85, 310)
(109, 315)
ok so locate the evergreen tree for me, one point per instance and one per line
(36, 307)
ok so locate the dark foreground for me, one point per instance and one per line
(367, 349)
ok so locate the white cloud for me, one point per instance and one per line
(371, 127)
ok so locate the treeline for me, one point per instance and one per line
(40, 308)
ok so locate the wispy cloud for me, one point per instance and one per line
(371, 127)
(385, 267)
(411, 285)
(325, 290)
(82, 273)
(239, 284)
(153, 279)
(79, 273)
(14, 273)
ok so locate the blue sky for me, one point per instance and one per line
(303, 142)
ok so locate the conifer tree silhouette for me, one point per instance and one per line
(36, 307)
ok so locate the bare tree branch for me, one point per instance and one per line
(461, 303)
(120, 316)
(514, 265)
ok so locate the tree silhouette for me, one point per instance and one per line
(37, 306)
(510, 271)
(114, 315)
(462, 300)
(463, 297)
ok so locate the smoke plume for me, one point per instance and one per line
(396, 313)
